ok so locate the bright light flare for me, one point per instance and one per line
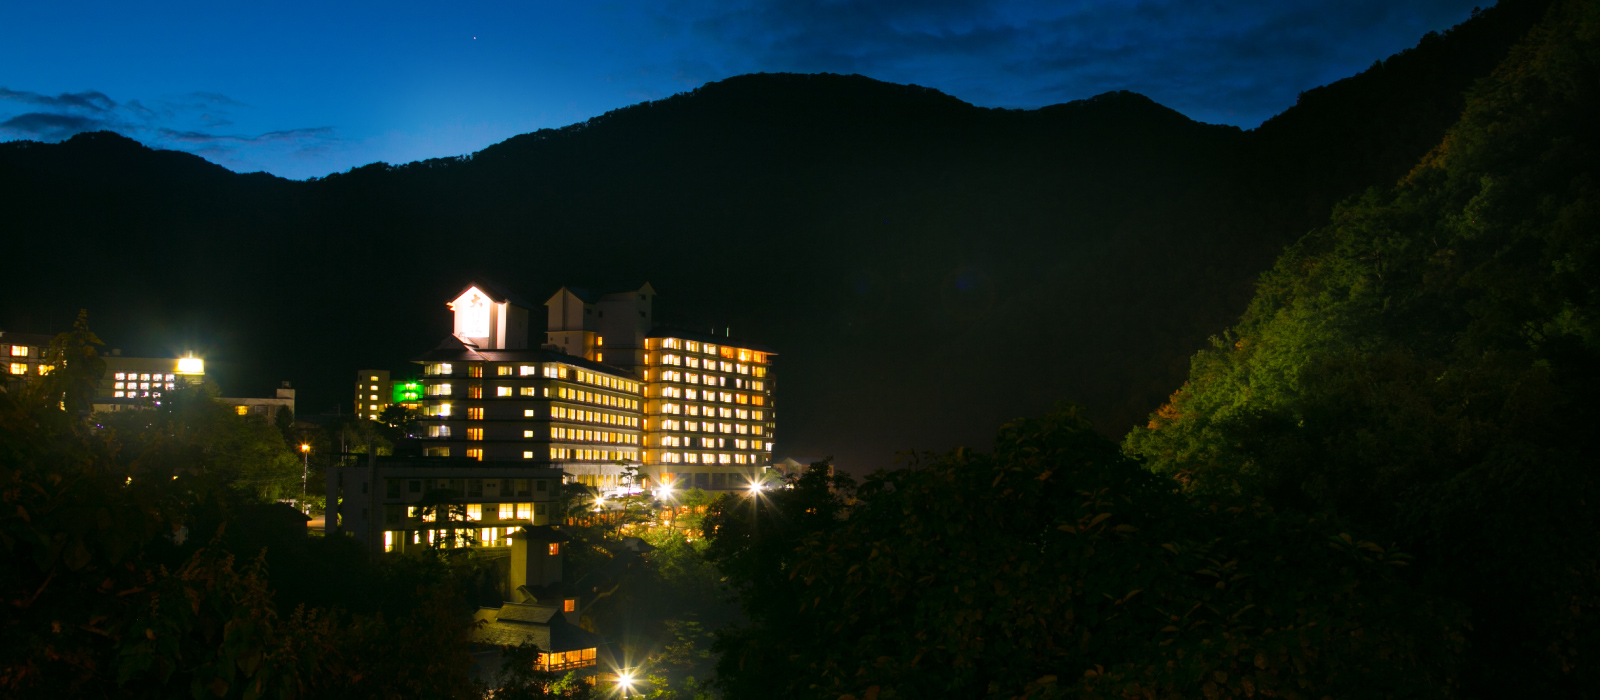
(191, 365)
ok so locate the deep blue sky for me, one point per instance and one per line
(303, 89)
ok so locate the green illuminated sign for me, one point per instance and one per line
(407, 392)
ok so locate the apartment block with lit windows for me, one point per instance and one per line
(375, 392)
(24, 355)
(372, 393)
(377, 501)
(608, 390)
(486, 396)
(128, 382)
(709, 414)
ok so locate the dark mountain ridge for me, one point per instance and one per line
(926, 268)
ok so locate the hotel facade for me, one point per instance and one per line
(606, 391)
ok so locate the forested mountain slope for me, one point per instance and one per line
(1425, 367)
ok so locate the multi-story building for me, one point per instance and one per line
(708, 409)
(372, 393)
(606, 392)
(376, 392)
(268, 408)
(487, 396)
(377, 501)
(24, 355)
(130, 381)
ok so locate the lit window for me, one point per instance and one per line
(555, 548)
(502, 391)
(241, 410)
(444, 409)
(438, 431)
(474, 392)
(475, 454)
(474, 511)
(121, 375)
(116, 394)
(526, 370)
(22, 351)
(475, 413)
(372, 397)
(474, 434)
(503, 370)
(570, 605)
(527, 433)
(527, 455)
(372, 407)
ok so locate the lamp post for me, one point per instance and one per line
(305, 474)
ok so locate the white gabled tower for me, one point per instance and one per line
(489, 320)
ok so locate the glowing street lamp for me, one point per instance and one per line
(305, 474)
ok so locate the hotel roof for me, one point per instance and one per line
(662, 331)
(453, 349)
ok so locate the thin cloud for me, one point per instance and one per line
(43, 126)
(92, 100)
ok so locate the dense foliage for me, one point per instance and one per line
(1055, 567)
(142, 560)
(1425, 366)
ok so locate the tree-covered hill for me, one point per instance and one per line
(926, 268)
(1425, 367)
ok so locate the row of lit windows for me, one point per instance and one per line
(551, 371)
(460, 537)
(561, 433)
(693, 378)
(142, 385)
(476, 392)
(475, 512)
(589, 416)
(706, 442)
(587, 454)
(19, 351)
(694, 363)
(135, 394)
(710, 411)
(692, 395)
(608, 382)
(555, 453)
(709, 427)
(135, 376)
(706, 458)
(740, 354)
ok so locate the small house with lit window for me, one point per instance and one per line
(543, 612)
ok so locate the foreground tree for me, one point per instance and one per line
(1056, 567)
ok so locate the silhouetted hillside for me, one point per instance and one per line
(927, 268)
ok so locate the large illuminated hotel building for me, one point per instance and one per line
(606, 390)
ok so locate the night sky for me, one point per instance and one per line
(305, 89)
